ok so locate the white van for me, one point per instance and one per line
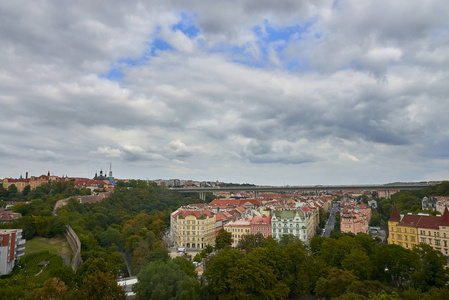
(180, 249)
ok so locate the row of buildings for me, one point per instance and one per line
(410, 230)
(97, 182)
(195, 226)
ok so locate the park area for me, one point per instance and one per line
(55, 245)
(44, 258)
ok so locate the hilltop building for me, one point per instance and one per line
(33, 181)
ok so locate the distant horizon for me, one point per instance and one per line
(236, 182)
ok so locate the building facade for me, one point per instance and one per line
(11, 247)
(262, 225)
(413, 229)
(295, 222)
(238, 228)
(193, 229)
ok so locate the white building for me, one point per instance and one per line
(11, 247)
(293, 222)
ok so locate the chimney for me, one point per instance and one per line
(26, 175)
(48, 174)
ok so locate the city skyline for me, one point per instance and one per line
(298, 93)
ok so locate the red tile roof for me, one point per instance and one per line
(197, 213)
(410, 220)
(431, 222)
(445, 218)
(260, 220)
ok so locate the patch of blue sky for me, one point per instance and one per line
(187, 25)
(115, 72)
(274, 38)
(159, 45)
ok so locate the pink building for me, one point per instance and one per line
(261, 224)
(354, 219)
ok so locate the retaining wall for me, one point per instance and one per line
(70, 235)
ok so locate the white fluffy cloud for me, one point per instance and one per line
(328, 92)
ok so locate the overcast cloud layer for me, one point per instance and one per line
(267, 92)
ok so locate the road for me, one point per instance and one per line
(331, 221)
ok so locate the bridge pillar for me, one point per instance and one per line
(256, 194)
(203, 196)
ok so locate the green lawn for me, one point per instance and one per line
(56, 245)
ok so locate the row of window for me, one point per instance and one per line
(421, 232)
(407, 247)
(261, 228)
(285, 225)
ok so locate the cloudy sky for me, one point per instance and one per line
(260, 91)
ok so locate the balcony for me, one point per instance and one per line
(20, 248)
(22, 242)
(20, 254)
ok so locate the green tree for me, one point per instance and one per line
(12, 190)
(223, 239)
(100, 285)
(287, 239)
(396, 264)
(218, 273)
(26, 190)
(432, 271)
(52, 289)
(160, 280)
(249, 242)
(337, 283)
(251, 279)
(359, 263)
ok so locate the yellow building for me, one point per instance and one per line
(193, 229)
(412, 230)
(238, 229)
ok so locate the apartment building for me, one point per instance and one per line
(412, 229)
(238, 228)
(293, 222)
(11, 247)
(262, 225)
(193, 229)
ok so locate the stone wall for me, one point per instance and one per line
(70, 235)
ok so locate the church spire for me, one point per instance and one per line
(110, 169)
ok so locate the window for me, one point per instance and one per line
(437, 242)
(412, 238)
(445, 243)
(399, 237)
(405, 230)
(406, 237)
(423, 240)
(392, 235)
(430, 241)
(392, 228)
